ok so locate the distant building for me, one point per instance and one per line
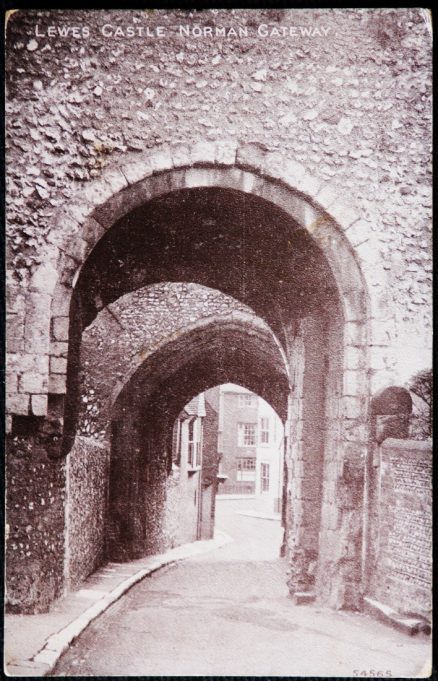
(192, 486)
(251, 446)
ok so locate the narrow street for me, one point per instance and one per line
(228, 613)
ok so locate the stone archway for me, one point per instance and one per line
(141, 366)
(327, 349)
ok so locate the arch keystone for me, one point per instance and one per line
(226, 152)
(203, 152)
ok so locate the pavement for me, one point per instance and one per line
(34, 643)
(223, 610)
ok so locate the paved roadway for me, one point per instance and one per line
(228, 613)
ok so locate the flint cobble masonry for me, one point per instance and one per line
(111, 133)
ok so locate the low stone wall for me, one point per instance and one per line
(401, 532)
(88, 469)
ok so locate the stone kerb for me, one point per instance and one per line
(79, 226)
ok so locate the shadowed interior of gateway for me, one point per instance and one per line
(234, 242)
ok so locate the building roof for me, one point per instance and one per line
(196, 406)
(233, 388)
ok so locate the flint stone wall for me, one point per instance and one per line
(77, 106)
(402, 527)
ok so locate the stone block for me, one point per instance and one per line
(353, 383)
(37, 324)
(181, 156)
(66, 226)
(353, 407)
(60, 328)
(32, 382)
(203, 152)
(80, 210)
(57, 384)
(330, 488)
(44, 279)
(12, 383)
(273, 166)
(76, 248)
(61, 301)
(58, 365)
(15, 300)
(161, 183)
(329, 195)
(368, 253)
(345, 215)
(354, 357)
(67, 267)
(59, 349)
(353, 304)
(226, 153)
(197, 177)
(116, 179)
(15, 332)
(161, 160)
(38, 405)
(120, 204)
(358, 232)
(97, 192)
(138, 170)
(17, 404)
(296, 176)
(92, 231)
(380, 358)
(355, 333)
(27, 362)
(282, 197)
(251, 156)
(353, 430)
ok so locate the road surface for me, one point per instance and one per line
(228, 613)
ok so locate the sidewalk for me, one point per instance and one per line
(34, 643)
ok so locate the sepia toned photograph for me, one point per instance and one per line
(218, 343)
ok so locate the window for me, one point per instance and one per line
(264, 431)
(246, 435)
(246, 400)
(191, 443)
(198, 454)
(194, 443)
(246, 469)
(264, 477)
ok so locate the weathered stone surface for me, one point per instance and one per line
(79, 147)
(60, 328)
(38, 405)
(401, 550)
